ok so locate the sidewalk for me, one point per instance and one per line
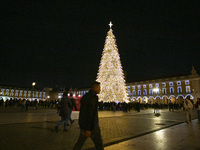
(178, 137)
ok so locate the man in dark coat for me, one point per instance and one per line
(88, 119)
(65, 104)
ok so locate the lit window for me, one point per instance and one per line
(145, 92)
(157, 85)
(164, 84)
(7, 91)
(170, 83)
(187, 82)
(178, 82)
(36, 94)
(16, 93)
(179, 89)
(139, 92)
(150, 92)
(164, 91)
(188, 89)
(40, 95)
(44, 95)
(2, 90)
(11, 94)
(134, 93)
(129, 93)
(29, 93)
(139, 87)
(171, 90)
(20, 93)
(133, 87)
(144, 86)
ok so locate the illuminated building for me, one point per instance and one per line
(14, 92)
(163, 91)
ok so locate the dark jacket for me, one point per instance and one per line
(88, 116)
(65, 104)
(73, 104)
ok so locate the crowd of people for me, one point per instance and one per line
(25, 104)
(138, 106)
(110, 106)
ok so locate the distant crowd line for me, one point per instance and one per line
(139, 106)
(110, 106)
(25, 104)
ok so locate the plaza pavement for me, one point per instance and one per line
(34, 130)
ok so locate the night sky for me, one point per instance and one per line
(60, 44)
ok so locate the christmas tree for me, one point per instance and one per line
(110, 75)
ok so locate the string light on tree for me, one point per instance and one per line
(110, 75)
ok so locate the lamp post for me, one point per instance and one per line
(156, 90)
(33, 84)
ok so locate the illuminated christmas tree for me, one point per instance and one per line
(110, 75)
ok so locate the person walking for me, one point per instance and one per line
(88, 119)
(197, 106)
(188, 106)
(65, 104)
(71, 108)
(156, 108)
(23, 105)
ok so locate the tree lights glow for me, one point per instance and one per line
(110, 75)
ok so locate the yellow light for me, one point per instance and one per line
(156, 89)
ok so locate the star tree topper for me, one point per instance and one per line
(110, 24)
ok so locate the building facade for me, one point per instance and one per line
(166, 90)
(12, 92)
(162, 91)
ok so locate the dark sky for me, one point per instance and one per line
(60, 44)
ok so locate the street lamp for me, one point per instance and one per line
(156, 90)
(33, 84)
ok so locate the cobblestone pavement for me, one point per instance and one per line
(35, 130)
(178, 137)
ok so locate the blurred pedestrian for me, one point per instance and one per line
(35, 104)
(58, 106)
(27, 104)
(23, 105)
(197, 106)
(65, 104)
(188, 106)
(88, 119)
(71, 108)
(156, 108)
